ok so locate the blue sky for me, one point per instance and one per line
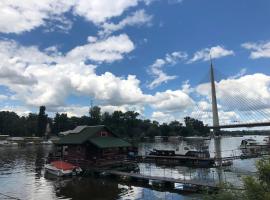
(144, 55)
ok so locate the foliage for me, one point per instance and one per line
(254, 188)
(126, 124)
(42, 121)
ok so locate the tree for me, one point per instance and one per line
(254, 188)
(95, 115)
(42, 121)
(62, 123)
(32, 124)
(196, 127)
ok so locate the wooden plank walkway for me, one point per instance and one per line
(162, 179)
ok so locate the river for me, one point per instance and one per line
(22, 175)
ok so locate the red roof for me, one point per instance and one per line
(63, 165)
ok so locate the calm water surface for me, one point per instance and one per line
(22, 175)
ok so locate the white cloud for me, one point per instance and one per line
(139, 17)
(258, 50)
(20, 110)
(162, 117)
(18, 16)
(124, 108)
(171, 101)
(106, 50)
(239, 74)
(175, 1)
(156, 71)
(98, 11)
(215, 52)
(244, 93)
(49, 77)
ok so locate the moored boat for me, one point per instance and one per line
(61, 168)
(248, 143)
(185, 152)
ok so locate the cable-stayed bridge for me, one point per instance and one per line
(237, 107)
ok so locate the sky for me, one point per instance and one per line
(148, 56)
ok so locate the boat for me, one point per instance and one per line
(267, 140)
(7, 143)
(62, 168)
(186, 151)
(186, 156)
(249, 143)
(47, 142)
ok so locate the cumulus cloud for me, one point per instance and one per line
(18, 16)
(215, 52)
(106, 50)
(139, 17)
(156, 71)
(258, 50)
(162, 117)
(49, 77)
(20, 110)
(171, 101)
(243, 93)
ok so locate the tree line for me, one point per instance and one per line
(125, 124)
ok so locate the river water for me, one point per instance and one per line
(22, 174)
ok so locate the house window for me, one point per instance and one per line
(103, 133)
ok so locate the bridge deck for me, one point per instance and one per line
(255, 124)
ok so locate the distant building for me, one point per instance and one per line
(91, 143)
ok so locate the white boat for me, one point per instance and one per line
(7, 143)
(61, 168)
(47, 142)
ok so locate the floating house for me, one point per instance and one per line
(92, 143)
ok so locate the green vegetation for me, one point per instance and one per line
(254, 188)
(125, 124)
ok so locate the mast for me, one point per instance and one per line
(214, 100)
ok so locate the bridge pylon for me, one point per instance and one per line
(216, 131)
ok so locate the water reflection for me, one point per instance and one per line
(22, 175)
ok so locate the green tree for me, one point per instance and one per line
(255, 188)
(42, 121)
(32, 124)
(196, 127)
(62, 123)
(95, 115)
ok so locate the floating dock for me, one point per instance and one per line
(178, 160)
(162, 183)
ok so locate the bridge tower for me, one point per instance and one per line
(214, 101)
(216, 131)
